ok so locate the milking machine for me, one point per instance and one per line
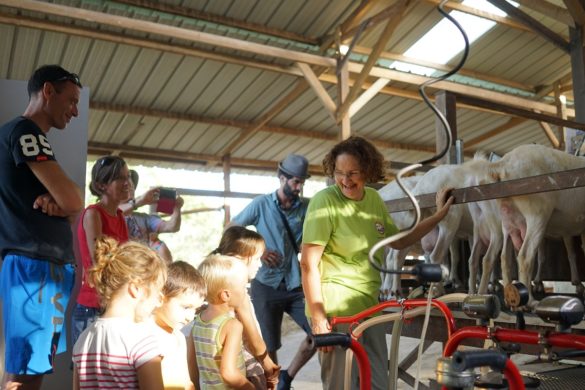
(564, 312)
(456, 369)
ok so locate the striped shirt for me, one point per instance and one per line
(209, 351)
(108, 353)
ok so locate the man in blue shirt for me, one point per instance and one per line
(277, 289)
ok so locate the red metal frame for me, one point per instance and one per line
(562, 340)
(455, 338)
(406, 304)
(363, 364)
(513, 376)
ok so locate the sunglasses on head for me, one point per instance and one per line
(74, 78)
(104, 161)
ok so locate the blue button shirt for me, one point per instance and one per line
(263, 214)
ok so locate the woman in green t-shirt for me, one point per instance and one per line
(343, 222)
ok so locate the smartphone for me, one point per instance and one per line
(166, 200)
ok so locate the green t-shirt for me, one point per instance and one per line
(347, 229)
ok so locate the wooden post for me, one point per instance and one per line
(447, 105)
(343, 91)
(342, 73)
(561, 113)
(226, 188)
(578, 71)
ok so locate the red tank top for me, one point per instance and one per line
(112, 226)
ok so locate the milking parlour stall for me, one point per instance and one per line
(475, 107)
(519, 220)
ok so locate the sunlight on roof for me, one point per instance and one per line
(444, 41)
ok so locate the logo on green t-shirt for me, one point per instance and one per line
(379, 227)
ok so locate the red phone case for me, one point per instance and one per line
(166, 202)
(165, 205)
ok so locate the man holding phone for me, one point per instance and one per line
(144, 228)
(277, 289)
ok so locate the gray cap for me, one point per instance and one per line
(295, 165)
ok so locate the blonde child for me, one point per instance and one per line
(119, 349)
(182, 294)
(248, 246)
(216, 334)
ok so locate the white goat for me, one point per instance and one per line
(487, 226)
(457, 224)
(527, 219)
(395, 258)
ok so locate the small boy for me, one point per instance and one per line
(182, 294)
(216, 334)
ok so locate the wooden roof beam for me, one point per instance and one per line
(577, 10)
(312, 79)
(554, 141)
(544, 90)
(461, 89)
(554, 181)
(532, 23)
(299, 88)
(393, 22)
(357, 16)
(452, 5)
(175, 32)
(521, 112)
(445, 68)
(158, 155)
(85, 32)
(370, 22)
(510, 124)
(130, 110)
(21, 21)
(550, 10)
(367, 95)
(167, 31)
(209, 17)
(405, 93)
(139, 152)
(246, 125)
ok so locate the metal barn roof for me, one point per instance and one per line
(192, 84)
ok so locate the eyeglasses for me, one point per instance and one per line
(74, 78)
(349, 175)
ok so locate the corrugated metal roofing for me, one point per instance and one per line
(178, 102)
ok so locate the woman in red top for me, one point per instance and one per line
(110, 184)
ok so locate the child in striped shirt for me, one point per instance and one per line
(216, 334)
(120, 350)
(248, 246)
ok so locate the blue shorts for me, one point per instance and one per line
(270, 304)
(34, 294)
